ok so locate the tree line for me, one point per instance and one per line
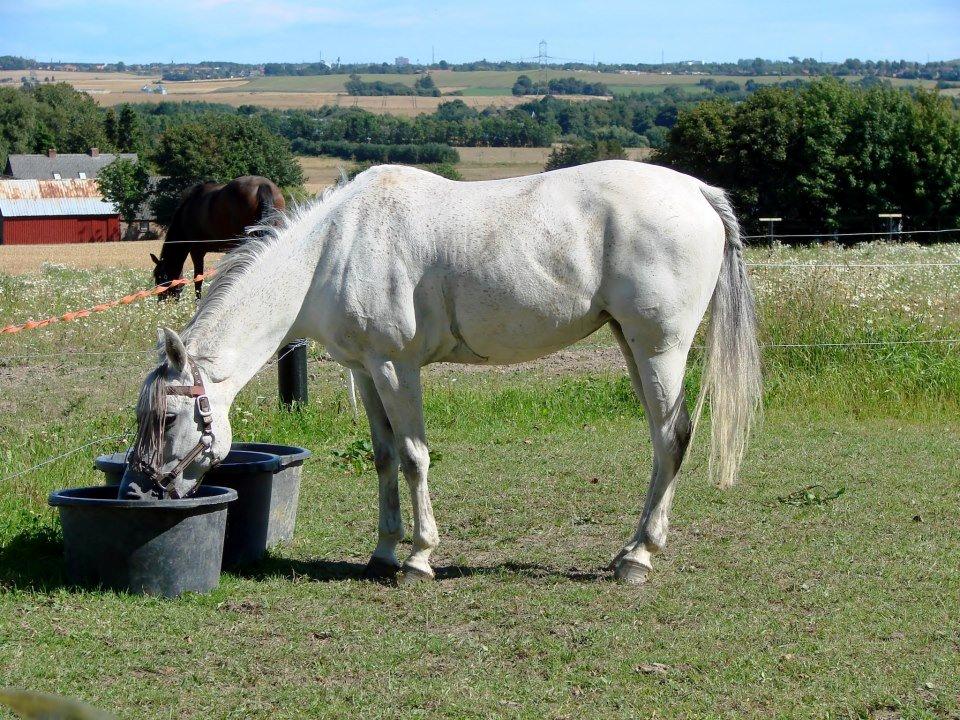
(423, 85)
(558, 86)
(946, 70)
(827, 155)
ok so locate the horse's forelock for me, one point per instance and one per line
(150, 411)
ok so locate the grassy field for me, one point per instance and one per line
(761, 606)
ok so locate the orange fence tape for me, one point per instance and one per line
(125, 300)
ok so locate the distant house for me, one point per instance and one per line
(36, 212)
(402, 61)
(57, 166)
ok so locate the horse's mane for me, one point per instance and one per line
(270, 235)
(174, 230)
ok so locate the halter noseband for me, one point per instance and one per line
(152, 469)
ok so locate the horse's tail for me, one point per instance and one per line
(265, 202)
(731, 373)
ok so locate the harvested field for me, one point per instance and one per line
(404, 105)
(479, 89)
(488, 163)
(493, 163)
(21, 259)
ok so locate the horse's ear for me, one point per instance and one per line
(156, 260)
(174, 348)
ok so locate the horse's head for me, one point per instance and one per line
(181, 433)
(162, 275)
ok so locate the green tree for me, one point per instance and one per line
(424, 85)
(219, 148)
(129, 131)
(827, 155)
(110, 126)
(125, 183)
(580, 153)
(71, 119)
(18, 117)
(523, 86)
(699, 144)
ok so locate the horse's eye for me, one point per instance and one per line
(169, 418)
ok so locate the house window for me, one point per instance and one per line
(83, 176)
(56, 176)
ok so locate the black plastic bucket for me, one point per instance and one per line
(284, 488)
(285, 491)
(112, 466)
(153, 547)
(251, 474)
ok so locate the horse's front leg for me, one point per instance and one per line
(400, 392)
(384, 561)
(197, 257)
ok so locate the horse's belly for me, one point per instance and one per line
(490, 332)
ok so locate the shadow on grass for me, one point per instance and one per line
(33, 559)
(322, 570)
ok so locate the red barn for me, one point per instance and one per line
(35, 212)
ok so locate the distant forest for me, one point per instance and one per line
(944, 70)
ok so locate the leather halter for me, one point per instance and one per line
(202, 404)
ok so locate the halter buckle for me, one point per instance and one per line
(203, 408)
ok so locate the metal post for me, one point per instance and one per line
(292, 374)
(890, 217)
(772, 221)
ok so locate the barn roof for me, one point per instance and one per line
(49, 198)
(67, 165)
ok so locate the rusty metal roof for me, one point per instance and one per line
(49, 198)
(48, 189)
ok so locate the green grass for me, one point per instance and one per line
(758, 608)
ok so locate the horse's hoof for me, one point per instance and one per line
(378, 569)
(631, 572)
(410, 575)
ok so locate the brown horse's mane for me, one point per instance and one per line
(175, 229)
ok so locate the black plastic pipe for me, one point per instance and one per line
(292, 374)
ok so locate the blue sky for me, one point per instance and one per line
(356, 30)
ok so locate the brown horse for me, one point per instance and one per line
(212, 212)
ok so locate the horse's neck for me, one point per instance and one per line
(235, 333)
(174, 251)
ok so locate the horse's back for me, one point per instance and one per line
(223, 211)
(506, 270)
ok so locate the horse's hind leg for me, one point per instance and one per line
(383, 562)
(657, 375)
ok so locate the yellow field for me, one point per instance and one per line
(307, 92)
(475, 164)
(404, 105)
(104, 84)
(481, 89)
(19, 259)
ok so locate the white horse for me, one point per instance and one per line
(400, 268)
